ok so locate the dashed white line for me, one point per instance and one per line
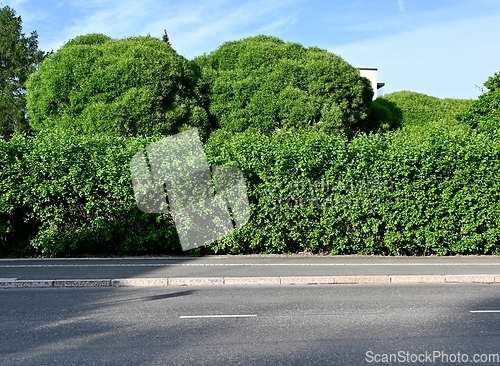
(216, 316)
(485, 311)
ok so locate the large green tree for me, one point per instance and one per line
(19, 57)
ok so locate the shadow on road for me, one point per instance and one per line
(294, 325)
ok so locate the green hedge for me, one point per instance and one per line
(431, 190)
(418, 191)
(407, 108)
(15, 231)
(67, 195)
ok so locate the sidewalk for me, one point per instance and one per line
(246, 270)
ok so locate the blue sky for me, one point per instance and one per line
(442, 48)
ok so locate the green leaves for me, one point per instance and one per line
(431, 189)
(264, 83)
(19, 57)
(62, 194)
(286, 116)
(484, 113)
(131, 87)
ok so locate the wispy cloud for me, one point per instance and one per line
(401, 5)
(193, 30)
(230, 23)
(21, 7)
(434, 60)
(442, 48)
(12, 3)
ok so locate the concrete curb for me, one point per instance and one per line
(274, 281)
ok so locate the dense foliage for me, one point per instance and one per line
(19, 57)
(406, 109)
(128, 87)
(62, 194)
(484, 114)
(423, 191)
(265, 83)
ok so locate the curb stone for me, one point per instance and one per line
(25, 284)
(236, 281)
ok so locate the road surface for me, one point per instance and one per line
(251, 325)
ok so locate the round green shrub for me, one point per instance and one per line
(88, 40)
(129, 87)
(268, 84)
(411, 108)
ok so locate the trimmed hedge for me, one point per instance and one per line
(409, 109)
(431, 190)
(67, 195)
(418, 191)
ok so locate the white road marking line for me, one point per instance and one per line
(7, 279)
(249, 265)
(485, 311)
(215, 316)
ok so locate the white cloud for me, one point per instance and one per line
(21, 9)
(445, 60)
(14, 4)
(192, 29)
(434, 60)
(226, 25)
(401, 5)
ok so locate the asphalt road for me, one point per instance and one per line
(295, 325)
(251, 266)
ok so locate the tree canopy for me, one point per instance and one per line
(268, 84)
(19, 57)
(126, 87)
(484, 112)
